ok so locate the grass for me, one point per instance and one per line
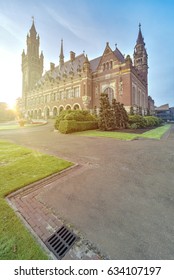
(19, 167)
(154, 133)
(110, 134)
(17, 126)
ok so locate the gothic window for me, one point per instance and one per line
(133, 96)
(103, 66)
(76, 92)
(107, 66)
(120, 87)
(110, 93)
(68, 93)
(111, 64)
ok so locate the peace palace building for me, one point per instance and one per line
(78, 82)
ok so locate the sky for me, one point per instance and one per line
(86, 25)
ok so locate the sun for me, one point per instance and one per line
(11, 105)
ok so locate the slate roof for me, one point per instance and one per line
(69, 67)
(119, 55)
(94, 63)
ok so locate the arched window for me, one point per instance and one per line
(110, 93)
(55, 112)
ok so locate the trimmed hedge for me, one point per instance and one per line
(76, 115)
(69, 126)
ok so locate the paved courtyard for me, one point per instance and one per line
(121, 198)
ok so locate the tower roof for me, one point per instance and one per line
(61, 56)
(33, 29)
(140, 39)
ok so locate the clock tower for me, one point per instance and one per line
(32, 63)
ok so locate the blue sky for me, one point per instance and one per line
(86, 25)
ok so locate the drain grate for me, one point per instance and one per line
(61, 241)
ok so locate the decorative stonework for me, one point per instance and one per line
(86, 100)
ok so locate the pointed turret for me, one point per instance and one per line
(140, 55)
(140, 39)
(61, 56)
(33, 30)
(86, 64)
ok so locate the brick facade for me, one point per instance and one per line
(78, 82)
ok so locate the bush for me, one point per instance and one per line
(60, 117)
(133, 126)
(69, 126)
(76, 115)
(152, 121)
(21, 122)
(138, 120)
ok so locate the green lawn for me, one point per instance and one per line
(19, 167)
(154, 133)
(17, 126)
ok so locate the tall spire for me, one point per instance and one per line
(140, 55)
(33, 29)
(61, 56)
(140, 39)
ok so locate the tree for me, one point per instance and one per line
(124, 117)
(106, 119)
(115, 113)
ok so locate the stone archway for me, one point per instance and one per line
(68, 107)
(35, 114)
(76, 107)
(61, 108)
(55, 112)
(47, 112)
(39, 113)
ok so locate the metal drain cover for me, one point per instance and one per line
(61, 241)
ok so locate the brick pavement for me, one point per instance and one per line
(41, 220)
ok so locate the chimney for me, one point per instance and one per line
(72, 55)
(52, 66)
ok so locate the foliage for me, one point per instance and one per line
(143, 122)
(131, 111)
(112, 117)
(19, 167)
(21, 122)
(76, 115)
(60, 117)
(106, 117)
(69, 126)
(133, 126)
(138, 120)
(152, 121)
